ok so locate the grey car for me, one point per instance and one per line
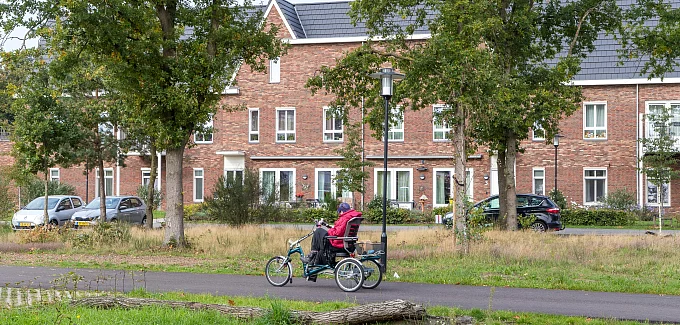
(60, 208)
(118, 208)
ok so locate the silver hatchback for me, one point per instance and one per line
(118, 208)
(60, 208)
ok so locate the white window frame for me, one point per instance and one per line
(252, 132)
(332, 132)
(234, 172)
(54, 178)
(650, 133)
(469, 181)
(534, 178)
(106, 179)
(275, 71)
(334, 189)
(277, 180)
(594, 129)
(200, 137)
(667, 199)
(393, 130)
(202, 178)
(586, 178)
(442, 128)
(392, 175)
(146, 175)
(285, 132)
(537, 127)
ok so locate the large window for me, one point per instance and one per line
(278, 184)
(440, 128)
(285, 125)
(146, 176)
(207, 136)
(198, 184)
(54, 175)
(275, 70)
(396, 131)
(443, 185)
(254, 125)
(538, 132)
(399, 184)
(595, 121)
(234, 174)
(595, 185)
(332, 127)
(672, 125)
(326, 186)
(653, 193)
(108, 182)
(539, 181)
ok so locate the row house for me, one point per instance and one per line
(288, 137)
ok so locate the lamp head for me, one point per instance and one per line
(387, 77)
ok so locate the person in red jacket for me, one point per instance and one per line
(319, 238)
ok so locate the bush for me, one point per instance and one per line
(143, 192)
(36, 188)
(7, 198)
(621, 199)
(558, 197)
(102, 234)
(196, 211)
(597, 217)
(43, 234)
(373, 213)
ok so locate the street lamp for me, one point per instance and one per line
(387, 77)
(556, 143)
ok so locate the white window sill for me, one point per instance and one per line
(440, 140)
(203, 142)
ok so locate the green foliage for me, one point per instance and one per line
(143, 192)
(7, 196)
(102, 234)
(36, 188)
(44, 234)
(352, 175)
(195, 211)
(477, 224)
(374, 212)
(596, 217)
(558, 197)
(620, 199)
(237, 201)
(442, 210)
(308, 215)
(277, 315)
(660, 158)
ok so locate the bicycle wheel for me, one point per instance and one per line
(278, 271)
(349, 275)
(372, 274)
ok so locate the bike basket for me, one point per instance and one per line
(369, 247)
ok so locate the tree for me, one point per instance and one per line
(176, 55)
(43, 132)
(660, 153)
(352, 176)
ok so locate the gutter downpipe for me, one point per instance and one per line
(363, 153)
(637, 145)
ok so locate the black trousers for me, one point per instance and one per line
(319, 239)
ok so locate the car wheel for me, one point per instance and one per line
(143, 223)
(54, 222)
(539, 226)
(113, 220)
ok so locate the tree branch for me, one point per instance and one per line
(578, 30)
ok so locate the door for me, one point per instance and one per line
(125, 210)
(64, 210)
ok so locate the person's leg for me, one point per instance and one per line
(317, 245)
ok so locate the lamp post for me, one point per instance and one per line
(556, 143)
(387, 77)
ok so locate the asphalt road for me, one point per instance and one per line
(641, 307)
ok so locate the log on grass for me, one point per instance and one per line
(370, 313)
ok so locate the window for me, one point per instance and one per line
(332, 127)
(108, 182)
(440, 128)
(198, 184)
(399, 184)
(254, 125)
(326, 186)
(76, 202)
(672, 126)
(125, 204)
(278, 184)
(595, 183)
(4, 134)
(396, 131)
(443, 185)
(136, 203)
(539, 181)
(285, 125)
(538, 133)
(275, 70)
(234, 174)
(595, 121)
(653, 194)
(54, 175)
(65, 204)
(207, 136)
(146, 176)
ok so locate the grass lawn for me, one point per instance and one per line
(63, 313)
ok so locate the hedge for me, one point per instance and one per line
(596, 217)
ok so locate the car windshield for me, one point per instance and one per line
(39, 204)
(111, 203)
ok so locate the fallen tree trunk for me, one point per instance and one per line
(377, 312)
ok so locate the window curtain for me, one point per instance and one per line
(403, 182)
(286, 186)
(268, 180)
(600, 116)
(323, 185)
(380, 185)
(590, 116)
(440, 190)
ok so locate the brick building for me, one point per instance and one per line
(285, 135)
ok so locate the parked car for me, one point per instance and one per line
(60, 208)
(118, 208)
(546, 211)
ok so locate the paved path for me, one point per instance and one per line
(653, 308)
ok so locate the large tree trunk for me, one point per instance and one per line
(174, 217)
(102, 190)
(509, 191)
(151, 188)
(502, 181)
(392, 310)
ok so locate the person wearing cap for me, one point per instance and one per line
(346, 213)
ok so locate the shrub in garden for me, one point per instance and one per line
(597, 217)
(36, 188)
(620, 199)
(558, 197)
(143, 192)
